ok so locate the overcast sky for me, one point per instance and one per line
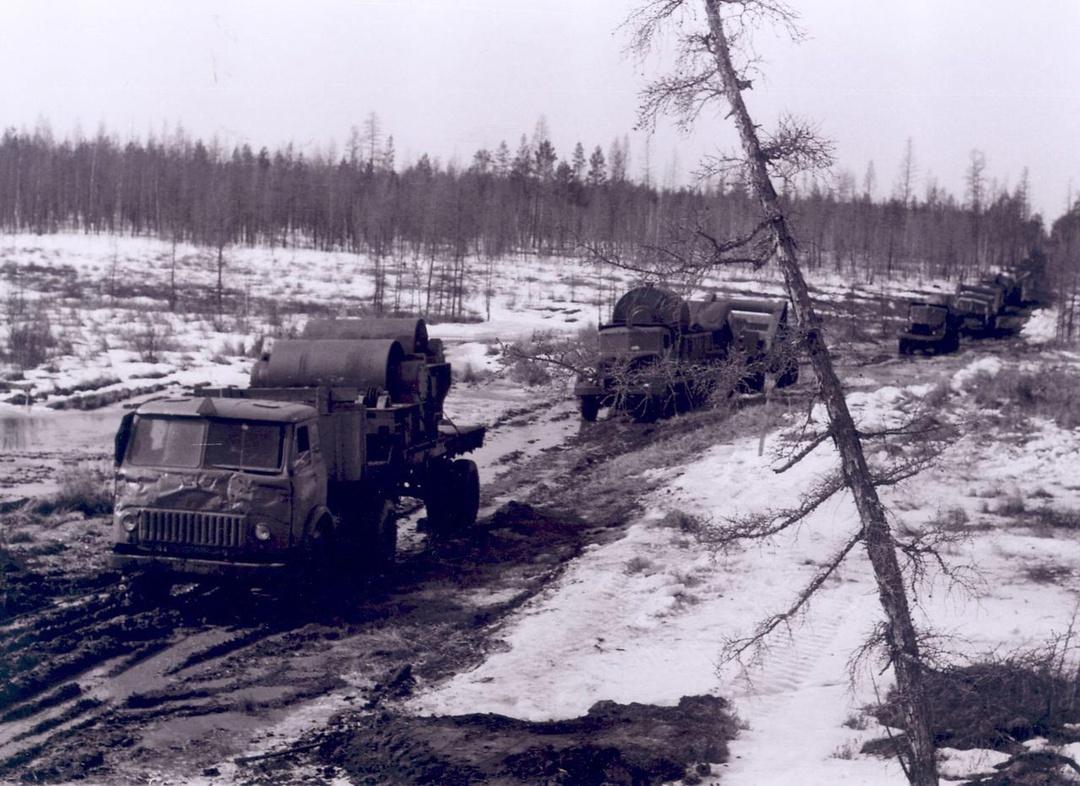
(448, 77)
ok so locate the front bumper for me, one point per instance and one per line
(186, 567)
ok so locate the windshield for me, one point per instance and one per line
(974, 306)
(927, 315)
(191, 443)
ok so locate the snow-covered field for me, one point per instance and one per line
(645, 618)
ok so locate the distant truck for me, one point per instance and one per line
(931, 327)
(302, 469)
(661, 353)
(979, 306)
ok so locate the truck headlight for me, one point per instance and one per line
(262, 532)
(129, 521)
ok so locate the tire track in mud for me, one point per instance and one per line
(71, 664)
(798, 677)
(105, 689)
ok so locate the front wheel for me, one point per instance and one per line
(149, 588)
(379, 528)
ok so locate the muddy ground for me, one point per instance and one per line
(287, 685)
(302, 685)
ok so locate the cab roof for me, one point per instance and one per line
(231, 408)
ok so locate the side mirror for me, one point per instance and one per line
(123, 437)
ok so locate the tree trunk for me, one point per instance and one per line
(901, 638)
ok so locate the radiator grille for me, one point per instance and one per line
(190, 527)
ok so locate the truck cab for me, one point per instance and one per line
(931, 327)
(223, 487)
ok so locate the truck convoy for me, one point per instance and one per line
(302, 468)
(660, 353)
(995, 306)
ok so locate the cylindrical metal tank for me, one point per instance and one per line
(411, 332)
(332, 362)
(709, 315)
(651, 306)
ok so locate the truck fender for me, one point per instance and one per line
(123, 437)
(319, 525)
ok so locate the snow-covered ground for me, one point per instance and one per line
(644, 618)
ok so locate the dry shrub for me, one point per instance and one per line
(1013, 505)
(686, 523)
(954, 519)
(1057, 519)
(85, 489)
(1047, 573)
(31, 343)
(548, 356)
(153, 336)
(1051, 393)
(995, 703)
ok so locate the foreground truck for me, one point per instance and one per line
(660, 353)
(302, 469)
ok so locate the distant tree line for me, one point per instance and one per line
(528, 199)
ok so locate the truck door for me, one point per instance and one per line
(308, 472)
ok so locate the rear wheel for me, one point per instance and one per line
(468, 477)
(590, 407)
(453, 497)
(952, 343)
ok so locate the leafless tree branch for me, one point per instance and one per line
(766, 524)
(735, 649)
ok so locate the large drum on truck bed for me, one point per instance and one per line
(332, 362)
(409, 331)
(651, 306)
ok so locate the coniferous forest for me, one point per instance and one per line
(529, 199)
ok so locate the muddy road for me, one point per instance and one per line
(298, 684)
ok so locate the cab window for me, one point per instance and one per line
(234, 444)
(167, 442)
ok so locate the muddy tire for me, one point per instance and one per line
(904, 347)
(467, 476)
(149, 589)
(752, 383)
(590, 408)
(453, 499)
(644, 409)
(378, 549)
(952, 342)
(789, 375)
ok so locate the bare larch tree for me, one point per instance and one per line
(706, 73)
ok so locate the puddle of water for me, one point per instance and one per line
(38, 446)
(27, 429)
